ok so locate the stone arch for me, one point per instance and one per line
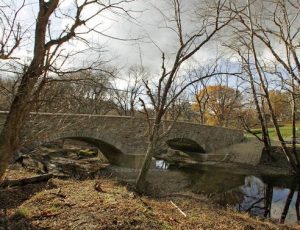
(110, 148)
(112, 154)
(94, 137)
(185, 145)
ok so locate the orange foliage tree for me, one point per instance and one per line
(219, 103)
(280, 104)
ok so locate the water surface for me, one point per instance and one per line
(267, 196)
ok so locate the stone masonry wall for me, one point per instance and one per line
(127, 134)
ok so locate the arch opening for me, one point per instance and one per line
(112, 154)
(64, 157)
(185, 145)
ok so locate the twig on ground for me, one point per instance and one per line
(178, 209)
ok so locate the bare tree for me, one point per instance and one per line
(179, 109)
(8, 89)
(280, 28)
(241, 47)
(49, 56)
(83, 92)
(126, 99)
(189, 44)
(200, 93)
(11, 31)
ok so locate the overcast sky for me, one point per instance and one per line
(151, 27)
(145, 34)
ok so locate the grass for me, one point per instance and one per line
(285, 129)
(55, 207)
(21, 213)
(86, 152)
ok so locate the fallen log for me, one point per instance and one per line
(25, 181)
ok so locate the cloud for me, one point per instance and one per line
(141, 38)
(156, 35)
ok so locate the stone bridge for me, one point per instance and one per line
(120, 137)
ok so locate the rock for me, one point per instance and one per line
(75, 163)
(51, 184)
(248, 152)
(34, 165)
(183, 158)
(178, 157)
(51, 145)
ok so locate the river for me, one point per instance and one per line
(269, 196)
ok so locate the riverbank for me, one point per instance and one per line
(85, 193)
(106, 204)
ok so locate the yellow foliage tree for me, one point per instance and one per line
(280, 104)
(218, 104)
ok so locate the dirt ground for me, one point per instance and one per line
(104, 203)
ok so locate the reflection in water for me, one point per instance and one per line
(161, 164)
(275, 197)
(298, 206)
(268, 200)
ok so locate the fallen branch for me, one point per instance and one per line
(59, 194)
(181, 195)
(145, 204)
(178, 208)
(25, 181)
(45, 214)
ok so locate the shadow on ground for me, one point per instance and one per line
(16, 222)
(13, 197)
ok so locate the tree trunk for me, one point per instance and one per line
(297, 207)
(4, 156)
(294, 135)
(265, 134)
(141, 180)
(287, 206)
(290, 158)
(15, 121)
(268, 200)
(21, 105)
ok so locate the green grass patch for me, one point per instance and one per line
(86, 152)
(21, 213)
(55, 207)
(285, 129)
